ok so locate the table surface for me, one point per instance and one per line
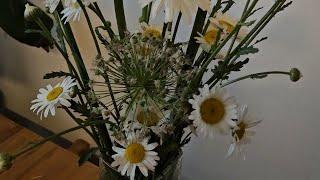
(46, 162)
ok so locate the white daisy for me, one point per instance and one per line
(208, 39)
(51, 5)
(214, 110)
(136, 153)
(51, 97)
(241, 133)
(227, 23)
(187, 7)
(72, 12)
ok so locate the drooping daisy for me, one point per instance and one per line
(5, 161)
(187, 7)
(149, 117)
(214, 111)
(241, 133)
(136, 153)
(151, 31)
(208, 39)
(227, 23)
(71, 12)
(51, 97)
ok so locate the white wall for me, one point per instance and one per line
(287, 143)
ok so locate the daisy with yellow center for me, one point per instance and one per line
(187, 7)
(208, 39)
(241, 133)
(51, 97)
(136, 153)
(213, 111)
(227, 23)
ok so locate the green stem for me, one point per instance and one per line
(107, 24)
(27, 149)
(255, 76)
(176, 27)
(197, 27)
(120, 16)
(90, 27)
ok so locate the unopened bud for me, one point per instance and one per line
(295, 75)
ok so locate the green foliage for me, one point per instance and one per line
(247, 50)
(12, 21)
(80, 108)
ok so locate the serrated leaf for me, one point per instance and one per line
(260, 40)
(80, 108)
(86, 156)
(56, 74)
(247, 50)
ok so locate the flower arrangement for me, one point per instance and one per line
(150, 93)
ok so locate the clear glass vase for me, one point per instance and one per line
(170, 172)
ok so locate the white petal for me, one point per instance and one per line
(143, 170)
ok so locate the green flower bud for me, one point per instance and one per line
(295, 74)
(30, 12)
(5, 161)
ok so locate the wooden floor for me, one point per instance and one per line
(48, 162)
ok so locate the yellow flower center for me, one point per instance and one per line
(135, 153)
(212, 111)
(228, 26)
(54, 93)
(241, 131)
(152, 32)
(211, 36)
(148, 118)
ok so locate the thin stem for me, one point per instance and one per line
(120, 16)
(255, 76)
(90, 27)
(55, 136)
(175, 31)
(107, 24)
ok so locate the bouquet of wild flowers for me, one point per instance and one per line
(151, 93)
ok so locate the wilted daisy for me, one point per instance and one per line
(5, 161)
(50, 97)
(208, 39)
(227, 23)
(214, 111)
(151, 31)
(187, 7)
(135, 153)
(241, 133)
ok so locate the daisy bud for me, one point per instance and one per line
(30, 11)
(295, 74)
(5, 161)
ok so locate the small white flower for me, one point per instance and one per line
(136, 153)
(51, 5)
(51, 97)
(214, 111)
(227, 23)
(187, 7)
(208, 39)
(241, 133)
(71, 12)
(29, 9)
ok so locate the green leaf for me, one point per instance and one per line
(12, 22)
(247, 50)
(87, 155)
(56, 74)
